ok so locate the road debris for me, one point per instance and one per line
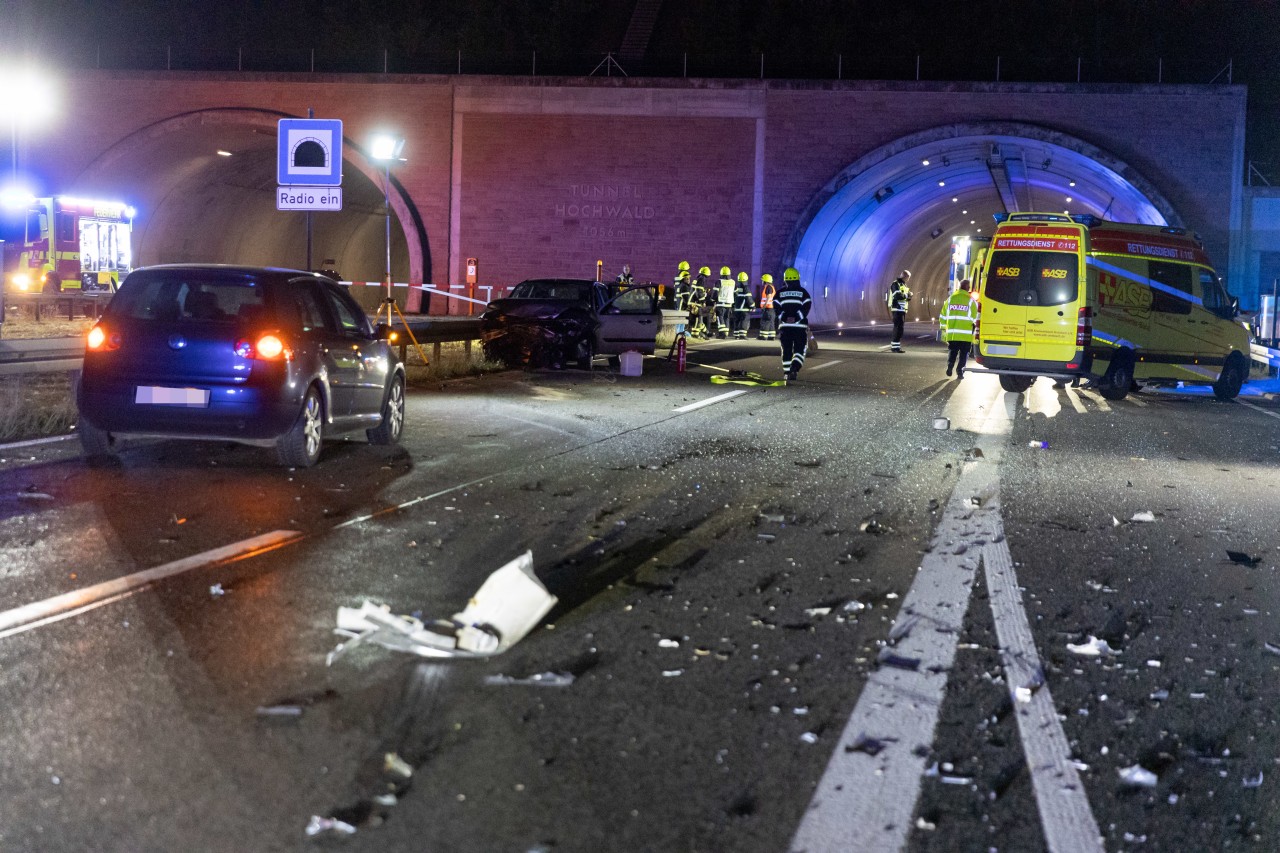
(1242, 558)
(888, 657)
(1137, 776)
(942, 423)
(1254, 782)
(668, 643)
(1272, 648)
(35, 496)
(1091, 648)
(1145, 516)
(539, 679)
(278, 711)
(809, 737)
(328, 826)
(672, 673)
(1038, 445)
(217, 590)
(871, 746)
(507, 606)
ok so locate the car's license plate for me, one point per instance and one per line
(158, 395)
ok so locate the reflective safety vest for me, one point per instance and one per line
(958, 316)
(766, 295)
(724, 295)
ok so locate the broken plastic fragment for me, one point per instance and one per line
(278, 711)
(818, 611)
(1243, 559)
(1145, 515)
(853, 606)
(1255, 782)
(395, 766)
(217, 590)
(809, 737)
(540, 679)
(871, 746)
(667, 643)
(1272, 648)
(672, 673)
(328, 826)
(1137, 776)
(1092, 648)
(888, 658)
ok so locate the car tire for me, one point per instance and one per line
(585, 353)
(388, 432)
(1015, 384)
(1118, 379)
(99, 446)
(300, 446)
(1231, 379)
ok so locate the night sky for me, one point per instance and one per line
(1106, 41)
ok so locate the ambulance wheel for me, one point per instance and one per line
(1015, 384)
(1119, 376)
(1231, 379)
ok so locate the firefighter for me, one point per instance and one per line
(958, 315)
(625, 278)
(680, 288)
(898, 298)
(768, 314)
(699, 298)
(724, 302)
(793, 303)
(743, 304)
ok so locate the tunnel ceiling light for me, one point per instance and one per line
(1073, 183)
(222, 153)
(1069, 199)
(942, 183)
(924, 162)
(955, 198)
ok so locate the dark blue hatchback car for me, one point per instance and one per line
(270, 357)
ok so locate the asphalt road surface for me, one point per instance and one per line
(789, 618)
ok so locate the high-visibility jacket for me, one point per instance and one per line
(724, 295)
(743, 301)
(766, 295)
(958, 316)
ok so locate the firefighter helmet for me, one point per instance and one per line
(725, 271)
(791, 274)
(684, 266)
(766, 278)
(704, 270)
(742, 276)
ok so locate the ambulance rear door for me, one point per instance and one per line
(1030, 305)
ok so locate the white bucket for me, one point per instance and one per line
(632, 363)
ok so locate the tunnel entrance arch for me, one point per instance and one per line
(900, 205)
(204, 183)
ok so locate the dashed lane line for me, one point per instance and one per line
(719, 398)
(1258, 409)
(82, 599)
(824, 365)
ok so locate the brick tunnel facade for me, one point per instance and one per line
(546, 176)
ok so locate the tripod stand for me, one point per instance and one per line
(389, 303)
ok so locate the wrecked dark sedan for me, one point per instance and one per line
(552, 322)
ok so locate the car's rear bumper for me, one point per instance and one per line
(238, 413)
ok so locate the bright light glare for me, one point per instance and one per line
(16, 198)
(26, 96)
(269, 346)
(386, 147)
(97, 336)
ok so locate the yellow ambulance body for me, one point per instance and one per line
(1076, 296)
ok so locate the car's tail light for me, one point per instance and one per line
(267, 347)
(101, 339)
(1084, 326)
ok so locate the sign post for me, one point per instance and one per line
(309, 167)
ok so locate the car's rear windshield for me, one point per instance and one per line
(1031, 278)
(575, 291)
(189, 296)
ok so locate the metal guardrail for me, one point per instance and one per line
(52, 355)
(88, 303)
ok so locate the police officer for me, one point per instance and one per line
(793, 303)
(768, 314)
(898, 299)
(724, 302)
(625, 278)
(958, 315)
(699, 297)
(743, 304)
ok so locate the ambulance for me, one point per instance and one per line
(1077, 296)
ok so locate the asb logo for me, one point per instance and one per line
(309, 152)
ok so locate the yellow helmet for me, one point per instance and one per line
(725, 271)
(742, 276)
(766, 278)
(791, 274)
(704, 270)
(684, 266)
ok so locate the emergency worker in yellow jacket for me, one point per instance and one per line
(959, 313)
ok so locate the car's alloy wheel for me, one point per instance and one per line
(388, 432)
(300, 446)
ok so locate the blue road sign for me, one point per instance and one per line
(309, 152)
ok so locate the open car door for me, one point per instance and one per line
(630, 320)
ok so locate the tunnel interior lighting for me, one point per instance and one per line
(222, 153)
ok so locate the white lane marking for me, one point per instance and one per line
(710, 401)
(865, 802)
(415, 501)
(1258, 409)
(49, 620)
(92, 594)
(35, 442)
(1065, 816)
(822, 366)
(537, 424)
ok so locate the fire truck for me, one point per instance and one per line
(73, 244)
